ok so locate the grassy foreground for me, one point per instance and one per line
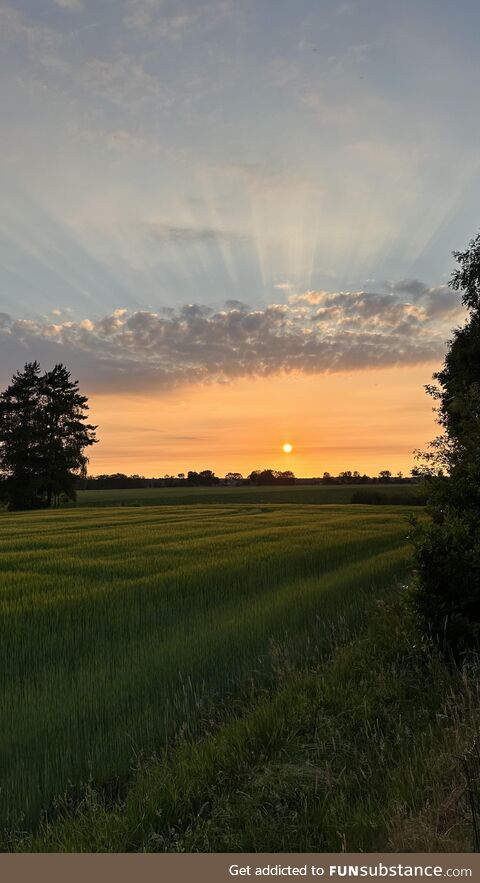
(360, 753)
(223, 678)
(120, 627)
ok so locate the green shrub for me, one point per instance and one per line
(446, 592)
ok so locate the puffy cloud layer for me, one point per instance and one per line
(314, 332)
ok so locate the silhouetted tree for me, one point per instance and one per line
(385, 475)
(271, 476)
(207, 477)
(234, 476)
(19, 438)
(43, 436)
(447, 591)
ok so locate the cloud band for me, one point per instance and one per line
(314, 332)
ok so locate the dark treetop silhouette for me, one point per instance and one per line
(447, 589)
(43, 435)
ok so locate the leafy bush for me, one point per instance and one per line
(446, 591)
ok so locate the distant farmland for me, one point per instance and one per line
(121, 627)
(310, 494)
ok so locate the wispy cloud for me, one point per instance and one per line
(315, 332)
(70, 5)
(39, 39)
(171, 20)
(164, 232)
(114, 77)
(123, 81)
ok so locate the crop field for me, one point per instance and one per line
(123, 627)
(177, 496)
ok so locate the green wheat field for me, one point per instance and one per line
(157, 657)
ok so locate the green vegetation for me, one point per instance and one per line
(236, 677)
(385, 497)
(446, 591)
(120, 628)
(357, 753)
(177, 496)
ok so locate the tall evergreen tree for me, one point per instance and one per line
(43, 436)
(19, 438)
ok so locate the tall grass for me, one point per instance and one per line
(359, 753)
(121, 627)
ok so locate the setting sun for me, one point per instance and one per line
(287, 448)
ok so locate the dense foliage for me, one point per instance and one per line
(43, 436)
(271, 476)
(447, 591)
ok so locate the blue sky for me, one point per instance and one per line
(156, 154)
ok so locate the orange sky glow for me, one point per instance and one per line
(367, 420)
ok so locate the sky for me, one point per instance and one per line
(233, 221)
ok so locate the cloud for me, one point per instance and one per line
(157, 18)
(408, 286)
(283, 286)
(233, 304)
(363, 309)
(113, 76)
(187, 437)
(70, 5)
(163, 232)
(40, 40)
(123, 81)
(315, 332)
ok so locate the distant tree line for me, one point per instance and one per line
(259, 477)
(383, 477)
